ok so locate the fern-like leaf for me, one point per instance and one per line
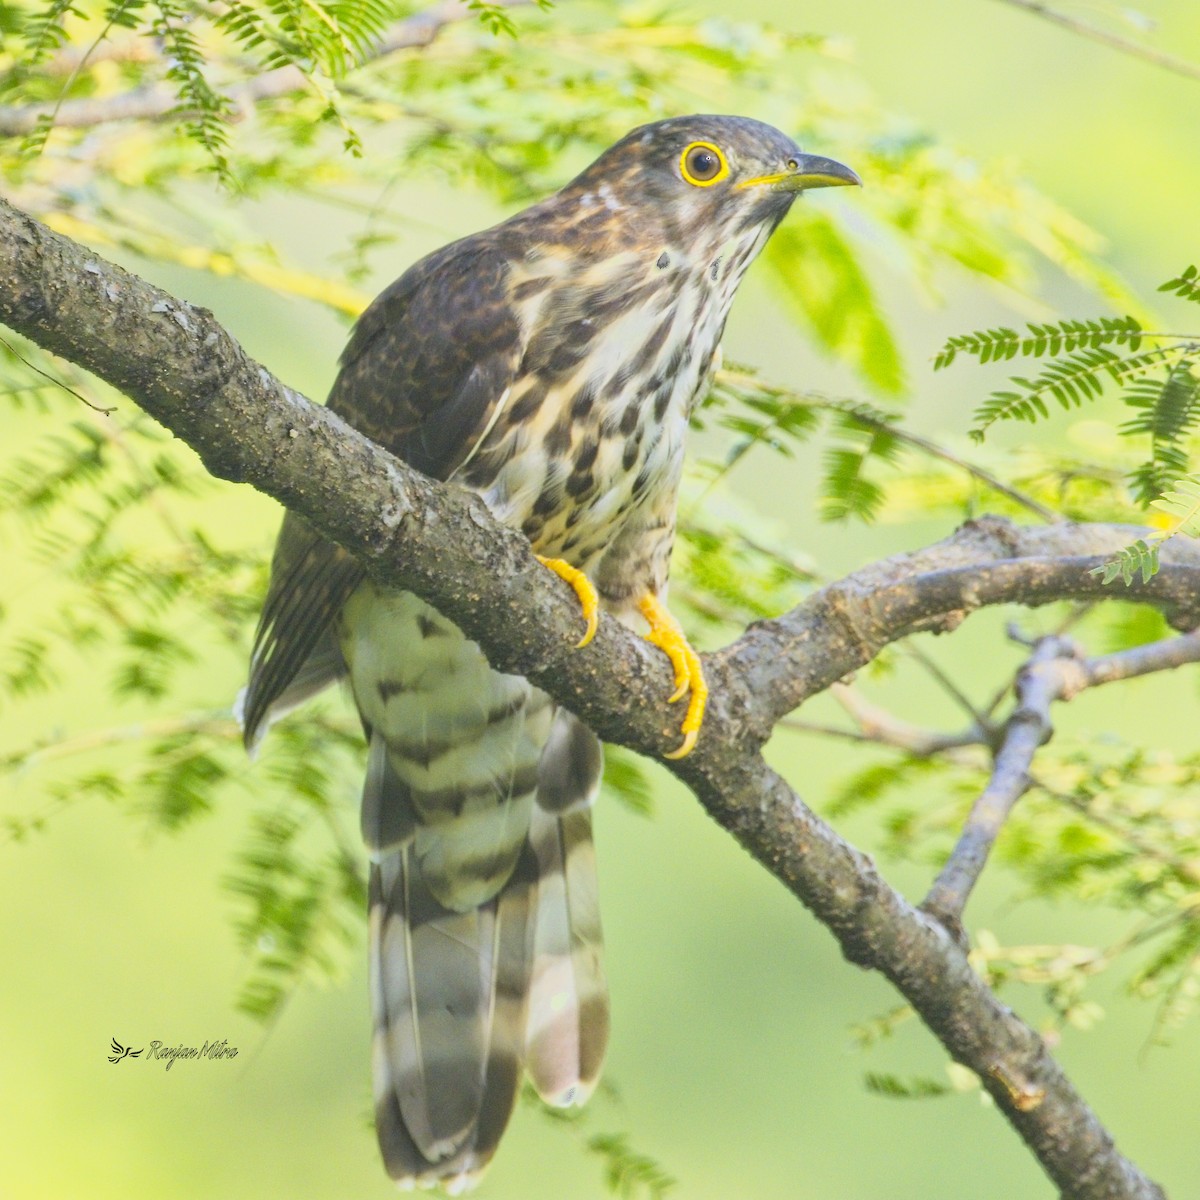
(627, 1172)
(1168, 411)
(202, 110)
(1059, 337)
(43, 32)
(1183, 506)
(1070, 381)
(895, 1088)
(847, 491)
(1186, 285)
(1138, 559)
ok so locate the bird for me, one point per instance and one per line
(549, 365)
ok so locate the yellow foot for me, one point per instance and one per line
(589, 601)
(689, 675)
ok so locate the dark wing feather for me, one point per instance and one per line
(432, 355)
(424, 369)
(293, 658)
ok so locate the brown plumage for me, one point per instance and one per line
(549, 364)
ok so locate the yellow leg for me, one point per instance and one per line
(666, 634)
(589, 601)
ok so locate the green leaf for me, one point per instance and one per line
(821, 275)
(628, 1173)
(1042, 339)
(1138, 559)
(894, 1088)
(1186, 285)
(1070, 381)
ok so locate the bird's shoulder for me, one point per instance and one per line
(433, 352)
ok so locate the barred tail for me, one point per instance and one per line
(485, 953)
(567, 1025)
(449, 995)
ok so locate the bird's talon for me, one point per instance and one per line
(589, 600)
(689, 674)
(689, 744)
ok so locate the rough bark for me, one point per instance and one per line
(177, 363)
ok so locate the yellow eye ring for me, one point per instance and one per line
(702, 164)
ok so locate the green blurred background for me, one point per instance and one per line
(731, 1060)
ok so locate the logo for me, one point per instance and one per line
(120, 1052)
(169, 1054)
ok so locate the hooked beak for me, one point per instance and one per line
(806, 171)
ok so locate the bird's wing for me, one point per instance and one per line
(433, 355)
(424, 370)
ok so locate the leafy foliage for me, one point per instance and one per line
(818, 272)
(1052, 339)
(1167, 412)
(1159, 384)
(629, 1174)
(1070, 380)
(1137, 560)
(895, 1088)
(1185, 285)
(1106, 823)
(299, 877)
(202, 108)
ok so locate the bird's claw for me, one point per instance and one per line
(589, 599)
(666, 634)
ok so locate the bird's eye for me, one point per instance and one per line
(703, 164)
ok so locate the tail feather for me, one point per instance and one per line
(430, 973)
(447, 1067)
(567, 1026)
(568, 1021)
(485, 948)
(510, 994)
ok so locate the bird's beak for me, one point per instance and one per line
(806, 171)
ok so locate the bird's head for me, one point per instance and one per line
(708, 179)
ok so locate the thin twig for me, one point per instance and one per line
(878, 725)
(736, 378)
(1168, 62)
(104, 412)
(936, 450)
(1027, 728)
(1054, 671)
(1076, 614)
(923, 743)
(1164, 655)
(1187, 871)
(948, 686)
(97, 739)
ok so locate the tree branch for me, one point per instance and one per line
(1168, 62)
(1028, 728)
(180, 366)
(1056, 670)
(878, 725)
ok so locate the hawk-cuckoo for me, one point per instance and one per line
(550, 365)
